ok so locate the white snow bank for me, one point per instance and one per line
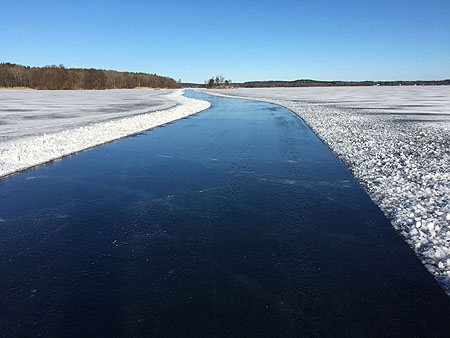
(20, 153)
(396, 142)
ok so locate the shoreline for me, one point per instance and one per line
(16, 88)
(140, 88)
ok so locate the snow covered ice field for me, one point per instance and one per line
(40, 126)
(396, 142)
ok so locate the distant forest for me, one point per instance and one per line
(314, 83)
(59, 77)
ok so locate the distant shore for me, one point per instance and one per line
(316, 83)
(14, 88)
(28, 88)
(55, 77)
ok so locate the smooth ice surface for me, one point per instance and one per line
(396, 141)
(234, 222)
(39, 126)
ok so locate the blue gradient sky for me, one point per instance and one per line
(242, 40)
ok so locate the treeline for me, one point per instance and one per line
(314, 83)
(211, 83)
(59, 77)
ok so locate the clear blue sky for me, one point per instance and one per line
(242, 40)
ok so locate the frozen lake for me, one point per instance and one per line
(237, 221)
(396, 142)
(417, 103)
(40, 126)
(25, 113)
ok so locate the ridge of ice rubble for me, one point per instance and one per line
(404, 167)
(23, 153)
